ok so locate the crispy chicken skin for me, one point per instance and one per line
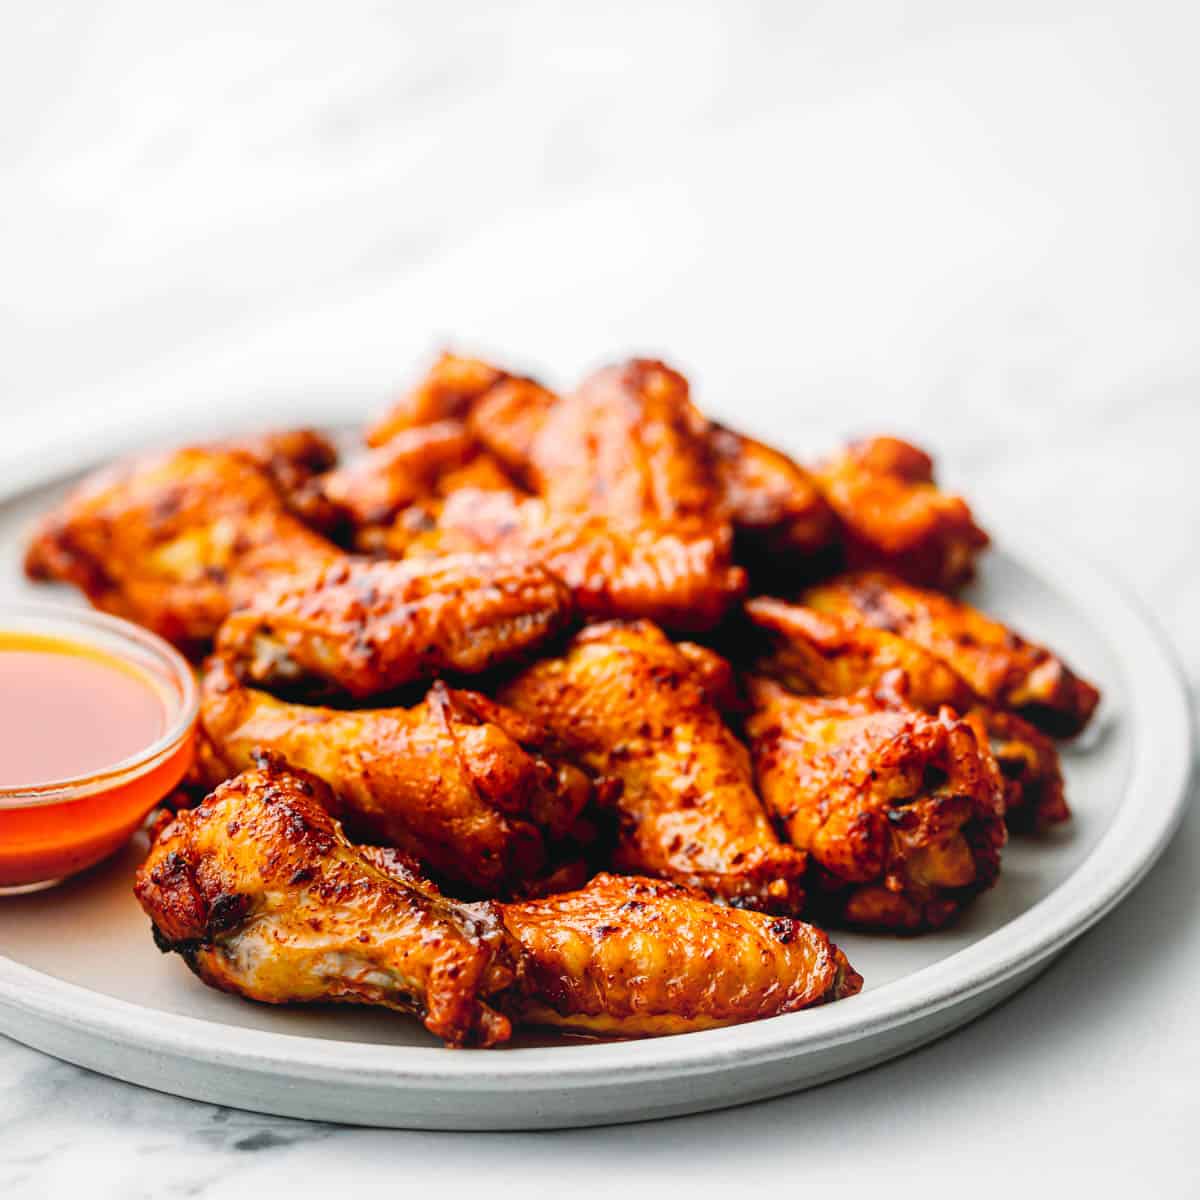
(629, 443)
(778, 512)
(293, 458)
(262, 895)
(638, 957)
(827, 654)
(456, 781)
(1001, 666)
(901, 812)
(892, 515)
(632, 706)
(360, 627)
(174, 541)
(447, 392)
(679, 575)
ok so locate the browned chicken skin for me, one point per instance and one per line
(174, 541)
(777, 510)
(447, 392)
(901, 812)
(638, 957)
(999, 665)
(361, 627)
(631, 705)
(827, 654)
(679, 575)
(893, 516)
(262, 895)
(457, 781)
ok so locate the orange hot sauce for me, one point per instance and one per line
(89, 742)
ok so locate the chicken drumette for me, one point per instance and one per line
(262, 895)
(633, 706)
(476, 792)
(901, 813)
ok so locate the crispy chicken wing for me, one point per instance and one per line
(457, 781)
(629, 443)
(901, 812)
(363, 627)
(174, 541)
(827, 654)
(1000, 665)
(638, 957)
(262, 895)
(778, 512)
(892, 515)
(679, 575)
(632, 706)
(447, 392)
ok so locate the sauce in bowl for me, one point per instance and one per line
(96, 719)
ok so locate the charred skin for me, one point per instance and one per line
(631, 705)
(458, 782)
(892, 515)
(174, 541)
(637, 957)
(362, 628)
(1001, 667)
(262, 895)
(678, 574)
(901, 812)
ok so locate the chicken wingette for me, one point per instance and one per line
(474, 791)
(1002, 667)
(901, 813)
(637, 957)
(175, 541)
(360, 627)
(826, 654)
(262, 895)
(677, 574)
(892, 515)
(631, 705)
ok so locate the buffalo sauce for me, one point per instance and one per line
(80, 756)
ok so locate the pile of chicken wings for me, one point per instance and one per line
(565, 709)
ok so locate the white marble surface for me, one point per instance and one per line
(978, 229)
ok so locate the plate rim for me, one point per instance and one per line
(1155, 795)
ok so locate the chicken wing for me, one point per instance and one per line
(447, 392)
(629, 443)
(262, 895)
(902, 813)
(362, 627)
(827, 654)
(1001, 666)
(174, 541)
(457, 781)
(679, 575)
(893, 516)
(638, 957)
(778, 513)
(631, 705)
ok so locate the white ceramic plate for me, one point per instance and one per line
(81, 979)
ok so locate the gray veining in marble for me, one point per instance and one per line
(975, 224)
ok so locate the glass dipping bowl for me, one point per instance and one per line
(51, 830)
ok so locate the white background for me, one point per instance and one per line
(972, 223)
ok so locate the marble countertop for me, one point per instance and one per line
(978, 231)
